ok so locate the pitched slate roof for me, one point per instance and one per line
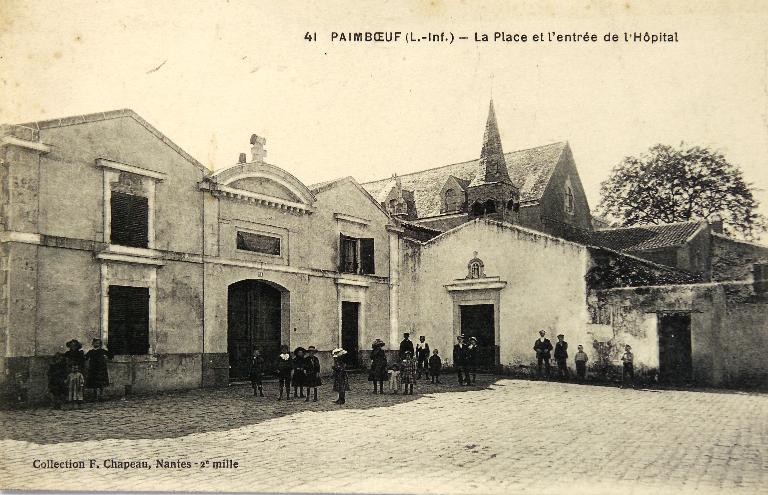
(530, 170)
(644, 237)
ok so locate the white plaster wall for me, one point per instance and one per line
(545, 286)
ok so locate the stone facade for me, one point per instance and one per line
(58, 262)
(250, 256)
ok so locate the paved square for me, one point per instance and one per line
(504, 436)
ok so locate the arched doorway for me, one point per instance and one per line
(254, 319)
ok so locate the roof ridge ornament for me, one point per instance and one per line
(258, 153)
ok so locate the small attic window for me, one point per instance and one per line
(569, 203)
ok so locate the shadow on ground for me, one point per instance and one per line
(179, 413)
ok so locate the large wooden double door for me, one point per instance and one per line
(254, 316)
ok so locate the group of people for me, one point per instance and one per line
(73, 370)
(412, 364)
(543, 348)
(300, 370)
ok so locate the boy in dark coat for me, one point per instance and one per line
(97, 377)
(57, 380)
(299, 373)
(312, 372)
(561, 357)
(543, 347)
(284, 368)
(256, 372)
(435, 365)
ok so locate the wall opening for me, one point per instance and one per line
(675, 361)
(477, 320)
(350, 332)
(254, 312)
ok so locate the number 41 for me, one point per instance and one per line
(310, 36)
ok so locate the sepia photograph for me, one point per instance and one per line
(384, 247)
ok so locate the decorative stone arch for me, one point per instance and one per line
(475, 268)
(223, 183)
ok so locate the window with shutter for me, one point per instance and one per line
(348, 261)
(129, 220)
(128, 320)
(366, 256)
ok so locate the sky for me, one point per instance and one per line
(210, 74)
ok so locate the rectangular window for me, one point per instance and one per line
(129, 220)
(258, 243)
(128, 321)
(356, 255)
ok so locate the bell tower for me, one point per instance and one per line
(492, 192)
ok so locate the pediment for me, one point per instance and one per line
(263, 184)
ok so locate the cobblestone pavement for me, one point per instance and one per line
(507, 436)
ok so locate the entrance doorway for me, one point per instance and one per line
(675, 362)
(350, 335)
(253, 322)
(477, 320)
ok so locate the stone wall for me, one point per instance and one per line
(733, 260)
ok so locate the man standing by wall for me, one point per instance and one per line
(405, 346)
(459, 358)
(561, 357)
(543, 347)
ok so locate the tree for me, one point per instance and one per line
(680, 184)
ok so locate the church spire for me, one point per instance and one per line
(493, 166)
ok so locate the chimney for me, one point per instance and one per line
(716, 223)
(241, 159)
(257, 149)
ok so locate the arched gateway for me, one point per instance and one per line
(254, 319)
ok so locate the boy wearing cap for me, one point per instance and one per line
(581, 359)
(628, 372)
(312, 372)
(561, 357)
(435, 365)
(298, 372)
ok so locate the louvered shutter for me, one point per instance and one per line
(367, 256)
(130, 220)
(128, 331)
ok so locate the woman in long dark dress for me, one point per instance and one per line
(378, 371)
(97, 377)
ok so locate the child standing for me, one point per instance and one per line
(628, 373)
(581, 363)
(98, 374)
(408, 373)
(312, 372)
(256, 372)
(298, 372)
(284, 367)
(340, 381)
(435, 365)
(75, 384)
(394, 378)
(57, 380)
